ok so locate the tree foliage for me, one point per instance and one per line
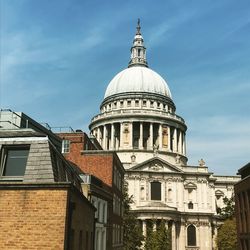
(132, 233)
(159, 239)
(227, 211)
(227, 236)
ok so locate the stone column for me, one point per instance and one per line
(166, 225)
(160, 136)
(131, 135)
(169, 138)
(98, 134)
(104, 144)
(214, 245)
(144, 228)
(151, 136)
(112, 136)
(175, 140)
(141, 136)
(180, 143)
(121, 136)
(154, 225)
(184, 144)
(173, 230)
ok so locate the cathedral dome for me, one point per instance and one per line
(138, 79)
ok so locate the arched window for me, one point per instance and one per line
(170, 194)
(155, 190)
(191, 235)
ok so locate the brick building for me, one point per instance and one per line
(86, 153)
(42, 204)
(101, 197)
(242, 208)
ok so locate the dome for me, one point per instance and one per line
(138, 79)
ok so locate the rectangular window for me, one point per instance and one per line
(137, 103)
(144, 103)
(155, 190)
(128, 103)
(65, 146)
(14, 160)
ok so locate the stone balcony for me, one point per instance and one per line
(192, 248)
(138, 112)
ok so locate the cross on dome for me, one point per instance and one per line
(138, 27)
(138, 51)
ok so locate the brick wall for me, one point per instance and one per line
(99, 165)
(45, 217)
(82, 222)
(32, 219)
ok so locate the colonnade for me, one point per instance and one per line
(141, 135)
(168, 225)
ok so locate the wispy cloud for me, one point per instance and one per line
(220, 140)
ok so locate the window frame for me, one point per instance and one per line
(63, 146)
(5, 149)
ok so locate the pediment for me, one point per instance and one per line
(190, 185)
(156, 164)
(219, 193)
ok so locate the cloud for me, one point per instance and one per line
(222, 141)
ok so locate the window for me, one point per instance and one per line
(151, 104)
(129, 103)
(190, 205)
(155, 190)
(139, 52)
(121, 104)
(191, 235)
(144, 103)
(137, 103)
(65, 146)
(14, 160)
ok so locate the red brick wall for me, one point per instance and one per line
(32, 219)
(99, 165)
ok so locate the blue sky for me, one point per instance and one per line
(57, 58)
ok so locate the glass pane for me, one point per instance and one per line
(16, 162)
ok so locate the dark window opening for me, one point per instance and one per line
(14, 160)
(191, 235)
(155, 190)
(190, 205)
(139, 52)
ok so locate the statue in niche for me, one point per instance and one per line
(165, 137)
(126, 134)
(202, 163)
